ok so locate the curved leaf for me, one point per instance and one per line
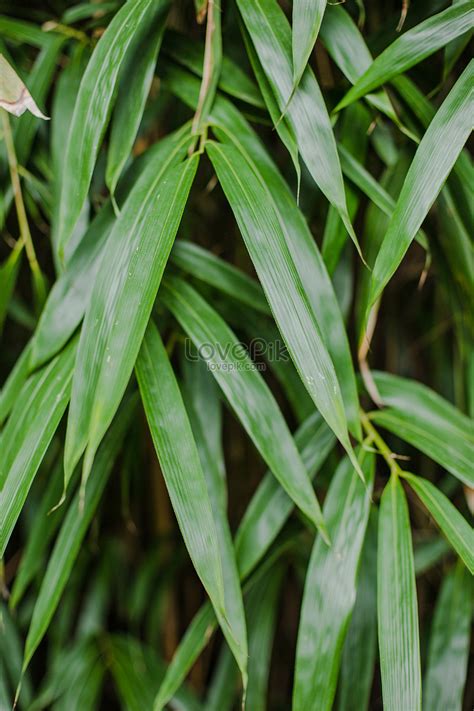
(124, 291)
(412, 47)
(330, 587)
(92, 111)
(397, 608)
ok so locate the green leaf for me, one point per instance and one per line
(448, 652)
(412, 47)
(231, 127)
(29, 430)
(8, 276)
(207, 538)
(92, 111)
(268, 244)
(330, 586)
(261, 607)
(212, 270)
(195, 639)
(307, 18)
(270, 506)
(45, 525)
(137, 671)
(245, 390)
(436, 155)
(14, 383)
(73, 530)
(71, 292)
(428, 422)
(359, 652)
(346, 46)
(397, 608)
(306, 112)
(67, 88)
(454, 526)
(121, 302)
(135, 82)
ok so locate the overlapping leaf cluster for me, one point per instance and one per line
(338, 141)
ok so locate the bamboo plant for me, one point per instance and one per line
(236, 289)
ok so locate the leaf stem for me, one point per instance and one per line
(25, 234)
(380, 443)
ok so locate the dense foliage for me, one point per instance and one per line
(236, 288)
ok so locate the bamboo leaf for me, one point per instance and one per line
(14, 383)
(214, 271)
(70, 295)
(306, 112)
(124, 291)
(359, 652)
(412, 47)
(265, 240)
(137, 671)
(92, 111)
(26, 437)
(431, 165)
(427, 421)
(198, 517)
(44, 527)
(261, 606)
(347, 48)
(330, 587)
(454, 526)
(270, 506)
(397, 607)
(307, 18)
(448, 652)
(245, 390)
(135, 82)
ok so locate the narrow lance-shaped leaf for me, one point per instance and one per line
(135, 83)
(14, 383)
(306, 112)
(122, 298)
(412, 47)
(270, 506)
(213, 270)
(92, 111)
(45, 525)
(245, 390)
(26, 437)
(137, 671)
(427, 421)
(454, 526)
(448, 652)
(307, 18)
(330, 587)
(261, 228)
(397, 607)
(189, 493)
(434, 158)
(346, 46)
(73, 530)
(360, 645)
(69, 297)
(261, 607)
